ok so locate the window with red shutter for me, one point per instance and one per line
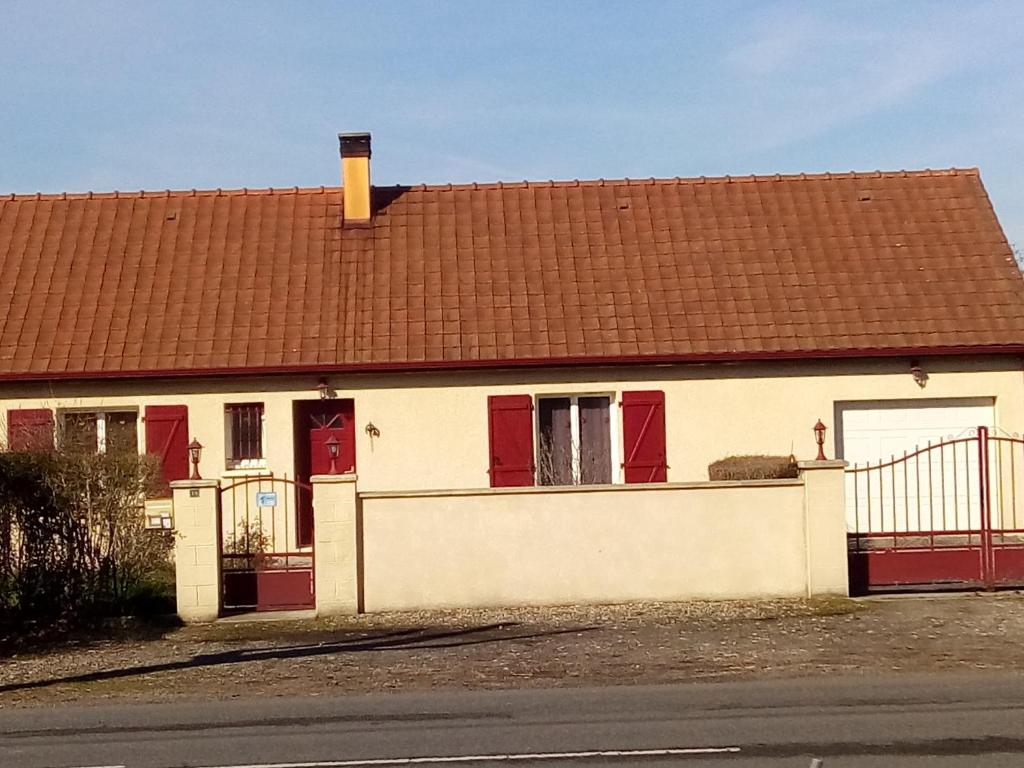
(510, 423)
(30, 429)
(643, 437)
(167, 437)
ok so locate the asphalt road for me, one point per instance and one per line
(941, 720)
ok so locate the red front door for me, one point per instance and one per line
(316, 421)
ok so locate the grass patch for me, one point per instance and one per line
(836, 606)
(291, 630)
(29, 641)
(813, 607)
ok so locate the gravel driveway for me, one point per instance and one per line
(593, 645)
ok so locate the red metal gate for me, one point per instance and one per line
(263, 566)
(946, 515)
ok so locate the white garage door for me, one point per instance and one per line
(873, 430)
(935, 490)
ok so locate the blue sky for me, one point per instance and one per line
(154, 95)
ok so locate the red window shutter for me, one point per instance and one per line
(167, 437)
(510, 422)
(30, 429)
(643, 436)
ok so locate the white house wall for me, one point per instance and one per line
(433, 426)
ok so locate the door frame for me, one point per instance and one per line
(302, 412)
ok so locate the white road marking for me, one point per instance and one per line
(681, 751)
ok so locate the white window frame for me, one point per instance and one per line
(101, 415)
(244, 465)
(614, 450)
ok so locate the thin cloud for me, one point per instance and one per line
(803, 75)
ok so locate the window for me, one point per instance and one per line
(115, 432)
(244, 432)
(577, 439)
(574, 443)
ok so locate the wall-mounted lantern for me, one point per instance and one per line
(324, 389)
(819, 438)
(333, 449)
(919, 374)
(195, 450)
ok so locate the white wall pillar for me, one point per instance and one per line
(825, 527)
(335, 544)
(197, 548)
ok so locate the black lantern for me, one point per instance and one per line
(195, 450)
(333, 448)
(324, 389)
(819, 438)
(920, 377)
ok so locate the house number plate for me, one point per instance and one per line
(266, 499)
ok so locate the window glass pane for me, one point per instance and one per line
(256, 432)
(235, 426)
(595, 441)
(122, 432)
(79, 434)
(242, 435)
(554, 465)
(245, 426)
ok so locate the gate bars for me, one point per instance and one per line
(943, 515)
(263, 565)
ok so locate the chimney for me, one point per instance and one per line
(355, 178)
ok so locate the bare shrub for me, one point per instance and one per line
(556, 465)
(247, 539)
(73, 541)
(753, 468)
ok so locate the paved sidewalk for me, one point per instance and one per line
(537, 647)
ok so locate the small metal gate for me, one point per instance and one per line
(262, 565)
(945, 515)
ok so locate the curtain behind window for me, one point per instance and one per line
(595, 441)
(555, 423)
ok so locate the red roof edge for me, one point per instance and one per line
(543, 362)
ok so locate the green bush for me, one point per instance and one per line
(73, 543)
(753, 468)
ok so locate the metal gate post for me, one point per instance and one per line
(985, 499)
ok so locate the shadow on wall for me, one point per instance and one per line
(409, 639)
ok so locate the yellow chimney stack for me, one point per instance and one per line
(355, 178)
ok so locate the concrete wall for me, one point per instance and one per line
(782, 538)
(433, 427)
(382, 551)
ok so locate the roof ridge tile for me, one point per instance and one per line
(449, 186)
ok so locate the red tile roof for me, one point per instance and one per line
(724, 268)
